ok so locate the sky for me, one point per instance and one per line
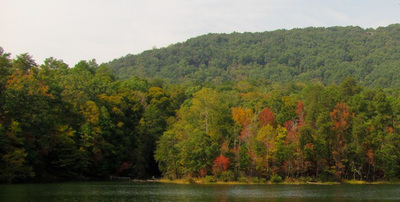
(74, 30)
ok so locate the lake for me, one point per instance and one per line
(133, 191)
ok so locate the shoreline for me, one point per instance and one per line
(201, 181)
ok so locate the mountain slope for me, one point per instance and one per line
(325, 54)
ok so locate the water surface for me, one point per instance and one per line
(130, 191)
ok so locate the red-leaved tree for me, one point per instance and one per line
(341, 117)
(266, 117)
(221, 163)
(300, 114)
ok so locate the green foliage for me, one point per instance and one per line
(53, 64)
(227, 176)
(24, 62)
(14, 165)
(209, 179)
(167, 155)
(61, 123)
(257, 180)
(329, 55)
(243, 179)
(276, 178)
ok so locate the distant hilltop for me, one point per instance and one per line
(328, 55)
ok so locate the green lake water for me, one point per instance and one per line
(130, 191)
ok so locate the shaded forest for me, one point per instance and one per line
(59, 123)
(220, 107)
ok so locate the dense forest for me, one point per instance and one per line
(218, 107)
(328, 55)
(60, 123)
(312, 131)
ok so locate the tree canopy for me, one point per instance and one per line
(328, 55)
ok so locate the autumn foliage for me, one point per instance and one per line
(242, 116)
(266, 116)
(292, 132)
(221, 163)
(300, 114)
(68, 123)
(341, 116)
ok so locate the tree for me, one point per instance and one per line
(24, 62)
(221, 163)
(5, 68)
(14, 165)
(167, 155)
(54, 64)
(205, 103)
(242, 117)
(349, 87)
(267, 135)
(341, 118)
(266, 117)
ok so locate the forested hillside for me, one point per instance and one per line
(328, 55)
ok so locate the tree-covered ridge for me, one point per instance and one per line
(324, 54)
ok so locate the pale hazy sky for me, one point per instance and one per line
(74, 30)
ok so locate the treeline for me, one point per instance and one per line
(309, 131)
(59, 123)
(328, 55)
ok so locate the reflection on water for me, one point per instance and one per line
(129, 191)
